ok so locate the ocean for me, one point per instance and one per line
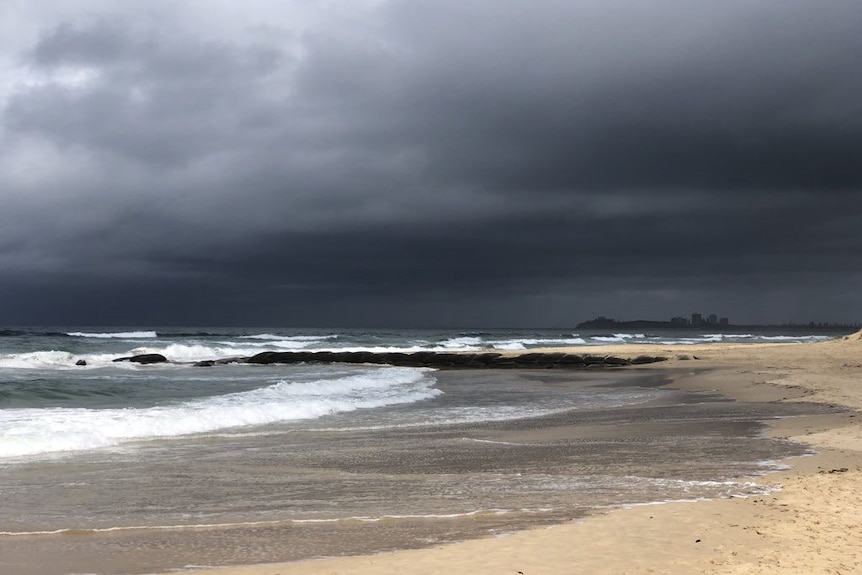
(116, 468)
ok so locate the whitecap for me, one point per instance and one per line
(30, 431)
(274, 337)
(115, 335)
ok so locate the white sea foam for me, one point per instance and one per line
(258, 344)
(195, 352)
(465, 342)
(740, 338)
(619, 337)
(191, 350)
(799, 339)
(386, 349)
(489, 441)
(510, 346)
(524, 343)
(445, 416)
(179, 353)
(60, 360)
(34, 431)
(270, 522)
(301, 338)
(36, 359)
(115, 335)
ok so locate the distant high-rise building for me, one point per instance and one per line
(696, 319)
(713, 319)
(679, 320)
(724, 322)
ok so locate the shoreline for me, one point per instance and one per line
(810, 525)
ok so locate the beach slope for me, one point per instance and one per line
(813, 524)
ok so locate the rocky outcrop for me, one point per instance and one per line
(144, 358)
(437, 360)
(222, 361)
(444, 360)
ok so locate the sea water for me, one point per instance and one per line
(118, 468)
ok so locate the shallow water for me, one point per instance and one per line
(489, 452)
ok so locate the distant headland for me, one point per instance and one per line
(710, 322)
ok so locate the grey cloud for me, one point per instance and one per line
(152, 99)
(734, 98)
(440, 150)
(100, 42)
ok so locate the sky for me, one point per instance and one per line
(429, 163)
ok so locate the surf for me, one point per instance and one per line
(32, 431)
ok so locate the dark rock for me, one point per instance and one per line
(531, 358)
(447, 360)
(364, 356)
(539, 360)
(393, 358)
(502, 362)
(80, 362)
(572, 360)
(448, 357)
(144, 358)
(264, 357)
(148, 358)
(484, 359)
(205, 363)
(344, 357)
(230, 360)
(643, 359)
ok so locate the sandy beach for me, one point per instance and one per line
(811, 524)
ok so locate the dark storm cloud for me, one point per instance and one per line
(648, 94)
(438, 156)
(154, 100)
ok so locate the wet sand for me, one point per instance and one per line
(811, 525)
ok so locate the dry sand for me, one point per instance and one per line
(812, 525)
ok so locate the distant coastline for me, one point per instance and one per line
(604, 323)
